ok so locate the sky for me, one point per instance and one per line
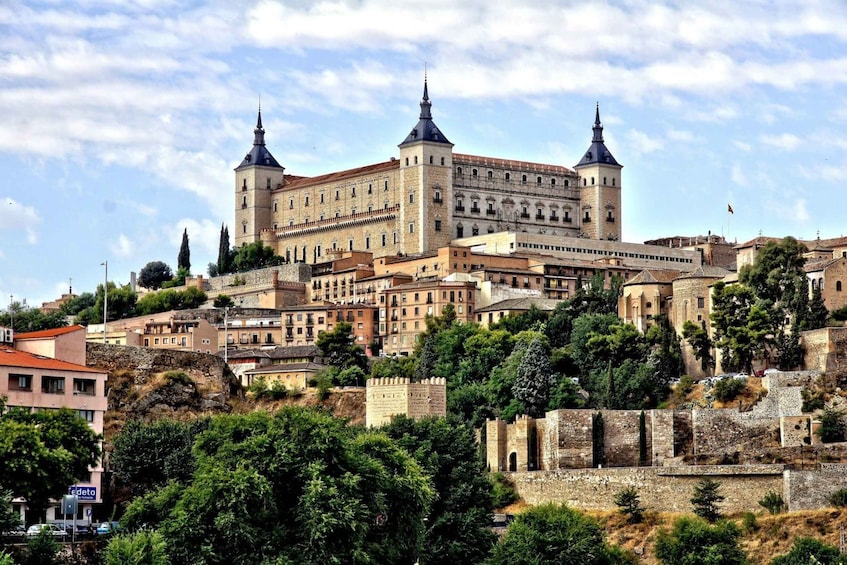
(121, 120)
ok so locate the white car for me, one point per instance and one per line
(54, 529)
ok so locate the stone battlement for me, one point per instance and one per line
(390, 396)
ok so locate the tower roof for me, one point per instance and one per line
(425, 130)
(259, 154)
(597, 151)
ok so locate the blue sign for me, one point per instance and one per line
(84, 493)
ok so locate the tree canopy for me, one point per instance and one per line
(296, 486)
(693, 540)
(183, 260)
(41, 453)
(153, 274)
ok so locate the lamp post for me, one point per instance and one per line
(11, 312)
(226, 335)
(105, 298)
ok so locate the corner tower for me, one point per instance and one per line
(258, 175)
(600, 189)
(426, 180)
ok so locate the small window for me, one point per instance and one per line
(523, 179)
(411, 198)
(567, 182)
(508, 177)
(474, 172)
(490, 175)
(838, 286)
(412, 227)
(442, 161)
(416, 159)
(430, 159)
(438, 228)
(275, 205)
(307, 201)
(370, 188)
(353, 191)
(458, 170)
(538, 180)
(613, 181)
(407, 161)
(552, 182)
(592, 181)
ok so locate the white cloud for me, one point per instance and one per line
(18, 217)
(642, 143)
(203, 239)
(122, 247)
(680, 135)
(785, 141)
(743, 146)
(738, 176)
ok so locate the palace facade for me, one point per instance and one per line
(422, 199)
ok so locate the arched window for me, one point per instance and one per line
(407, 161)
(567, 182)
(838, 286)
(490, 175)
(584, 182)
(458, 170)
(613, 181)
(552, 182)
(592, 181)
(537, 180)
(474, 172)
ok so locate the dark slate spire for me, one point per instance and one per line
(259, 132)
(259, 154)
(426, 130)
(597, 152)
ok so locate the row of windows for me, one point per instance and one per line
(604, 252)
(52, 385)
(508, 177)
(431, 160)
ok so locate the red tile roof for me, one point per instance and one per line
(15, 358)
(49, 333)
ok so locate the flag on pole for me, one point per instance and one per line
(729, 209)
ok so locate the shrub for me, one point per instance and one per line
(809, 550)
(178, 377)
(726, 390)
(502, 490)
(812, 402)
(839, 497)
(694, 541)
(685, 385)
(629, 503)
(706, 499)
(748, 522)
(772, 502)
(832, 426)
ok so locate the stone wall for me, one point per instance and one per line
(810, 489)
(208, 371)
(660, 489)
(724, 434)
(387, 397)
(621, 437)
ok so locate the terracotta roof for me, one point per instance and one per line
(459, 158)
(706, 272)
(342, 175)
(285, 367)
(653, 276)
(821, 265)
(15, 358)
(49, 333)
(523, 304)
(761, 240)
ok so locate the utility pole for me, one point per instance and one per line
(105, 298)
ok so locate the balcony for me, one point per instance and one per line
(460, 208)
(491, 212)
(539, 216)
(475, 210)
(566, 219)
(310, 321)
(554, 218)
(525, 215)
(437, 200)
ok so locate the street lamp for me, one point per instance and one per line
(11, 312)
(226, 335)
(105, 298)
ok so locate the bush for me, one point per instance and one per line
(706, 499)
(502, 490)
(685, 385)
(692, 540)
(838, 498)
(726, 390)
(812, 402)
(772, 502)
(809, 550)
(178, 377)
(629, 503)
(749, 523)
(832, 426)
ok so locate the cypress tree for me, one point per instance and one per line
(184, 258)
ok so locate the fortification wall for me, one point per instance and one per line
(622, 437)
(660, 489)
(726, 433)
(389, 397)
(810, 489)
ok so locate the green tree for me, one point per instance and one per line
(153, 274)
(806, 551)
(338, 348)
(170, 299)
(255, 255)
(628, 502)
(534, 380)
(41, 453)
(742, 327)
(818, 313)
(701, 344)
(296, 486)
(693, 540)
(772, 502)
(223, 301)
(183, 260)
(145, 457)
(426, 360)
(832, 428)
(225, 253)
(533, 318)
(586, 327)
(553, 533)
(706, 499)
(77, 304)
(22, 318)
(122, 300)
(458, 527)
(9, 519)
(140, 548)
(664, 352)
(399, 366)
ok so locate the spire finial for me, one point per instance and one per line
(426, 90)
(598, 127)
(426, 106)
(259, 132)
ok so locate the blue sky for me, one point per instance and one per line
(121, 120)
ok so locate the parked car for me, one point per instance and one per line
(17, 532)
(109, 528)
(54, 529)
(84, 531)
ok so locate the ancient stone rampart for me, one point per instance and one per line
(387, 397)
